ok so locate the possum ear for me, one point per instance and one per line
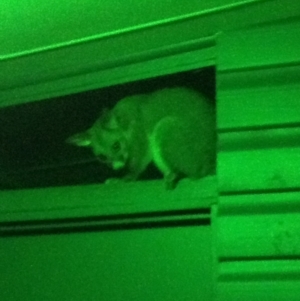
(113, 120)
(82, 139)
(107, 120)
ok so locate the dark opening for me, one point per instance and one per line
(33, 151)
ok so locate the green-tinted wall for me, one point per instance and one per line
(158, 264)
(30, 24)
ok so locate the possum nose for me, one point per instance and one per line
(116, 165)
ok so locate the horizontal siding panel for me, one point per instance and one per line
(260, 269)
(259, 170)
(104, 200)
(259, 280)
(259, 160)
(259, 139)
(259, 107)
(273, 236)
(259, 203)
(260, 46)
(259, 97)
(99, 75)
(258, 246)
(259, 226)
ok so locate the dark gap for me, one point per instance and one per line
(104, 228)
(258, 128)
(114, 217)
(33, 151)
(259, 258)
(259, 191)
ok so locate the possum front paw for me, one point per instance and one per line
(171, 179)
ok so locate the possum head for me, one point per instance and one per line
(108, 140)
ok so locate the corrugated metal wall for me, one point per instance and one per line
(258, 223)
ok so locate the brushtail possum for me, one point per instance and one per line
(173, 127)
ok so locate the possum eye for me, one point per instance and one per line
(116, 147)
